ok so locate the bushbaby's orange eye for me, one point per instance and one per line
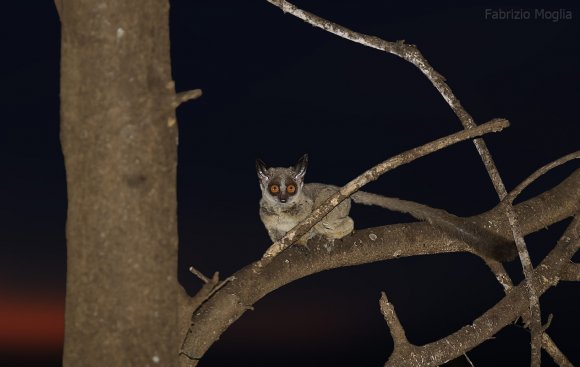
(291, 189)
(274, 189)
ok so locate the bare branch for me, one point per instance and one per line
(539, 172)
(500, 273)
(535, 323)
(205, 292)
(198, 274)
(504, 312)
(468, 360)
(371, 175)
(547, 343)
(562, 207)
(183, 97)
(555, 352)
(411, 54)
(395, 327)
(539, 337)
(364, 246)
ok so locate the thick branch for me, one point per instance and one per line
(571, 272)
(535, 323)
(411, 54)
(364, 246)
(504, 312)
(547, 343)
(555, 352)
(538, 337)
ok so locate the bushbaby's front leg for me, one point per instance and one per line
(337, 223)
(274, 234)
(303, 241)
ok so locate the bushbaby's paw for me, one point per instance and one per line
(303, 241)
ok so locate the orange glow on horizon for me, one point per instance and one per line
(31, 323)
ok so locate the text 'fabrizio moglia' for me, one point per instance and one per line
(528, 14)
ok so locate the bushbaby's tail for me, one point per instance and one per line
(485, 242)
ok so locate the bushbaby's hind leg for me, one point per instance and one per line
(337, 223)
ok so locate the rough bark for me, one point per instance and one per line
(119, 141)
(507, 310)
(252, 283)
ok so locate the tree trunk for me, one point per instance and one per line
(119, 140)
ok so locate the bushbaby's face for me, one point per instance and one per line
(283, 188)
(281, 185)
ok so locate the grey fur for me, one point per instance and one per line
(279, 217)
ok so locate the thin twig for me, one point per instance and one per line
(500, 273)
(468, 360)
(548, 323)
(539, 172)
(199, 274)
(371, 175)
(186, 96)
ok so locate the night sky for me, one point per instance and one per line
(276, 88)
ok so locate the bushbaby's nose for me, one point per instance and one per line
(283, 200)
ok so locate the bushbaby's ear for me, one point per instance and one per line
(261, 169)
(300, 167)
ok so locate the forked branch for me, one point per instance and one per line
(411, 54)
(276, 268)
(217, 313)
(512, 306)
(406, 352)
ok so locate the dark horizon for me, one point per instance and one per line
(276, 88)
